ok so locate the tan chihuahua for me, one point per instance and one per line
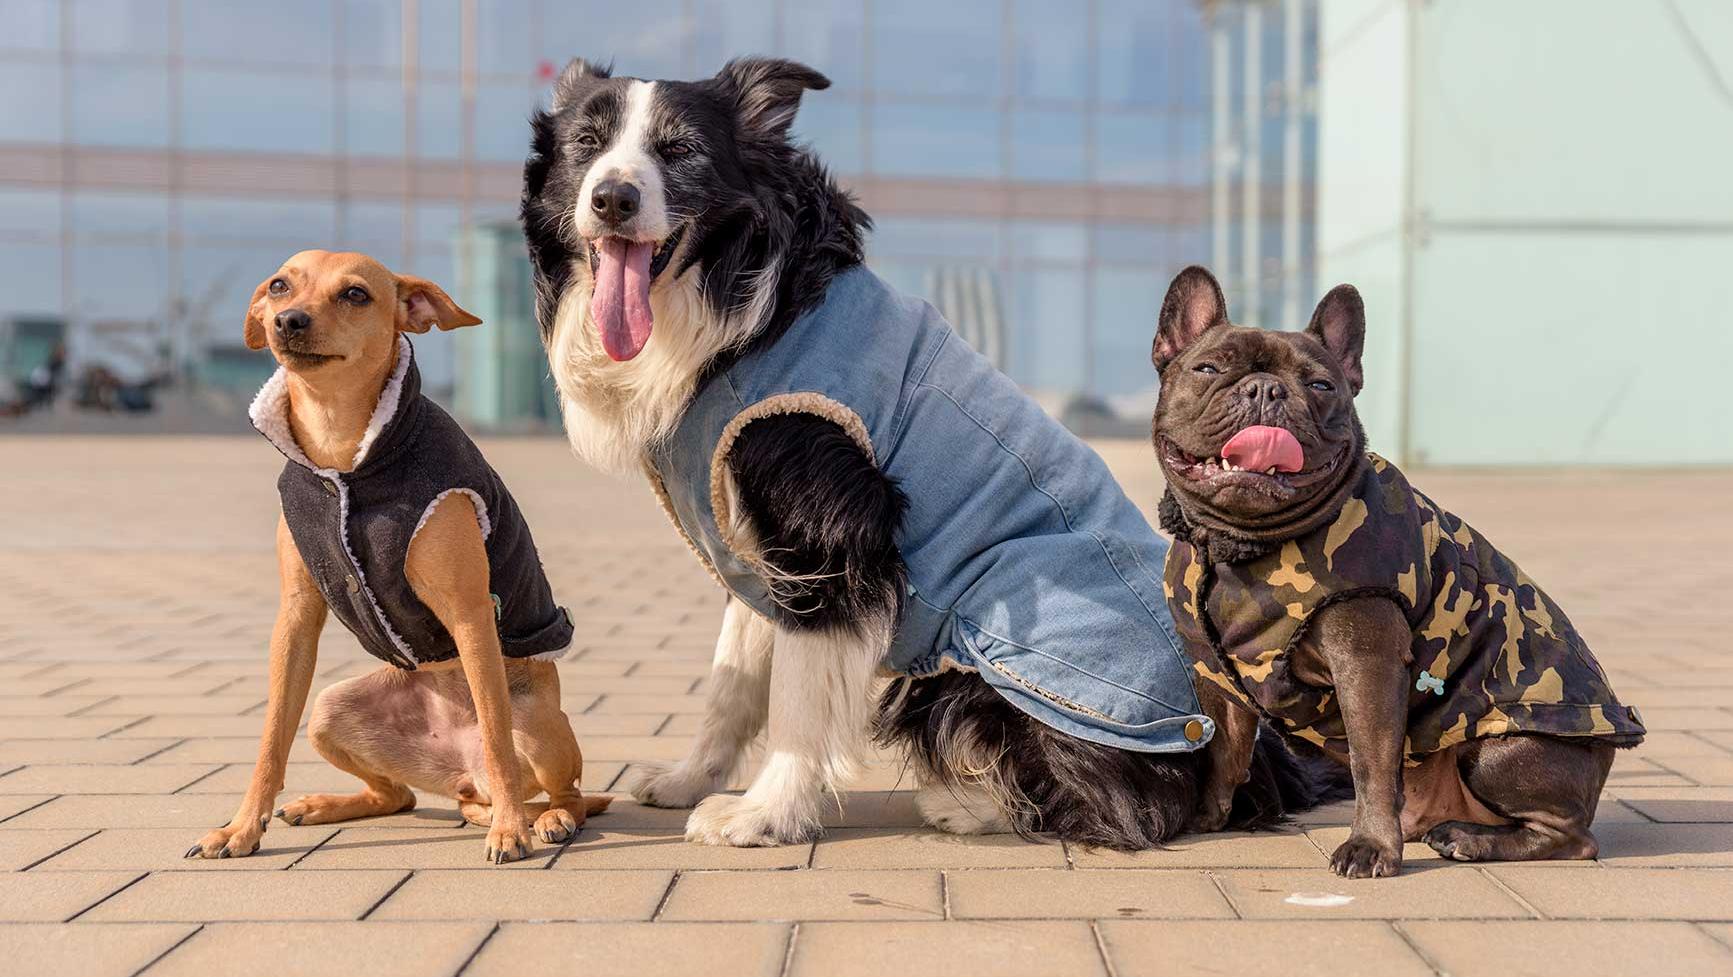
(393, 521)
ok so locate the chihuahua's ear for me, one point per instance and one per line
(1340, 324)
(421, 305)
(253, 333)
(1194, 305)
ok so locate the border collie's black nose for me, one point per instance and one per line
(614, 201)
(293, 322)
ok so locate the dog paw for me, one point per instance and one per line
(742, 822)
(508, 842)
(1212, 815)
(1360, 857)
(237, 839)
(655, 785)
(556, 825)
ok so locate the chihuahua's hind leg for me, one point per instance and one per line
(346, 729)
(1547, 786)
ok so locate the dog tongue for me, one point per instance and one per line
(620, 302)
(1260, 448)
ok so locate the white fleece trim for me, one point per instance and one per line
(556, 654)
(474, 498)
(409, 659)
(387, 406)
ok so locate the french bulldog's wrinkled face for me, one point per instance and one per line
(1255, 429)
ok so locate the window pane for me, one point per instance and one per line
(1131, 148)
(1047, 146)
(926, 48)
(1131, 45)
(502, 129)
(216, 284)
(726, 29)
(29, 279)
(441, 36)
(828, 35)
(372, 117)
(120, 105)
(230, 109)
(30, 212)
(119, 26)
(297, 222)
(897, 237)
(1035, 240)
(502, 38)
(1126, 304)
(373, 33)
(594, 30)
(29, 101)
(831, 123)
(438, 120)
(257, 31)
(927, 140)
(1052, 46)
(119, 282)
(1047, 349)
(98, 214)
(31, 25)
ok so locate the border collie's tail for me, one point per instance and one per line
(1284, 782)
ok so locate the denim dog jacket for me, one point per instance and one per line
(1027, 564)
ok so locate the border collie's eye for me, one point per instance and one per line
(278, 286)
(1322, 386)
(356, 295)
(675, 150)
(587, 140)
(1208, 369)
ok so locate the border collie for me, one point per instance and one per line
(679, 242)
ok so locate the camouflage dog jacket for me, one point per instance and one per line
(1492, 653)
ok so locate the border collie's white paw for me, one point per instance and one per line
(961, 811)
(741, 822)
(658, 785)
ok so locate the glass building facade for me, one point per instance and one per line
(1039, 170)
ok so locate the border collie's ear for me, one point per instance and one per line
(576, 73)
(421, 305)
(1339, 323)
(1194, 305)
(767, 93)
(253, 333)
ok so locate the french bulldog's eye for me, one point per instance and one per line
(1322, 386)
(1206, 368)
(278, 286)
(356, 295)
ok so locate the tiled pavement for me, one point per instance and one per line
(136, 593)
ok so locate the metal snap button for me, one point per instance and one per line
(354, 585)
(1193, 731)
(330, 488)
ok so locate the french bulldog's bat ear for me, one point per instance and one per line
(421, 305)
(253, 332)
(767, 92)
(1194, 305)
(1340, 324)
(574, 77)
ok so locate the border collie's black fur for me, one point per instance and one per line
(756, 229)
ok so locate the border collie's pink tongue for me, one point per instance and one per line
(620, 302)
(1260, 448)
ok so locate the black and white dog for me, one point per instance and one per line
(682, 208)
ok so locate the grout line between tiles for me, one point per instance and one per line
(19, 814)
(141, 877)
(200, 928)
(788, 949)
(59, 850)
(667, 893)
(1101, 948)
(388, 894)
(1413, 944)
(1499, 884)
(477, 951)
(160, 752)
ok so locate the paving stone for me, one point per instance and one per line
(43, 897)
(1542, 949)
(634, 748)
(164, 849)
(182, 727)
(103, 778)
(836, 894)
(14, 727)
(1227, 849)
(45, 707)
(225, 749)
(179, 705)
(662, 705)
(82, 750)
(1044, 948)
(633, 950)
(131, 685)
(1324, 948)
(917, 848)
(1710, 771)
(95, 811)
(215, 896)
(601, 846)
(1420, 892)
(1665, 845)
(1624, 893)
(345, 949)
(539, 896)
(110, 950)
(21, 848)
(1084, 893)
(417, 848)
(1680, 805)
(12, 805)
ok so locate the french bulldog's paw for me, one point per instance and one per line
(655, 785)
(508, 842)
(1361, 857)
(556, 825)
(237, 839)
(743, 822)
(1464, 841)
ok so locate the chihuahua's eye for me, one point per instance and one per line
(675, 150)
(1206, 368)
(1322, 386)
(356, 295)
(278, 286)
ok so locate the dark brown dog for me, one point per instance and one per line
(1314, 586)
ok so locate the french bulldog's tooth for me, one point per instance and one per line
(1270, 470)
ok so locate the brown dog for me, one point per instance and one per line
(392, 520)
(1314, 586)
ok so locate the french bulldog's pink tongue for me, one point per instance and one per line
(1260, 448)
(620, 301)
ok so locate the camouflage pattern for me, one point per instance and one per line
(1492, 653)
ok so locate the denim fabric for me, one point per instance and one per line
(1026, 561)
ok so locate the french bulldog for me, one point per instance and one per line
(1313, 586)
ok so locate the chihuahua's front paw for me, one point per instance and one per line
(1362, 857)
(656, 785)
(743, 822)
(508, 840)
(237, 839)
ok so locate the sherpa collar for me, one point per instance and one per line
(270, 410)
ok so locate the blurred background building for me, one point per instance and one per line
(1039, 170)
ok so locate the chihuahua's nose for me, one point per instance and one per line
(1263, 389)
(614, 201)
(293, 322)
